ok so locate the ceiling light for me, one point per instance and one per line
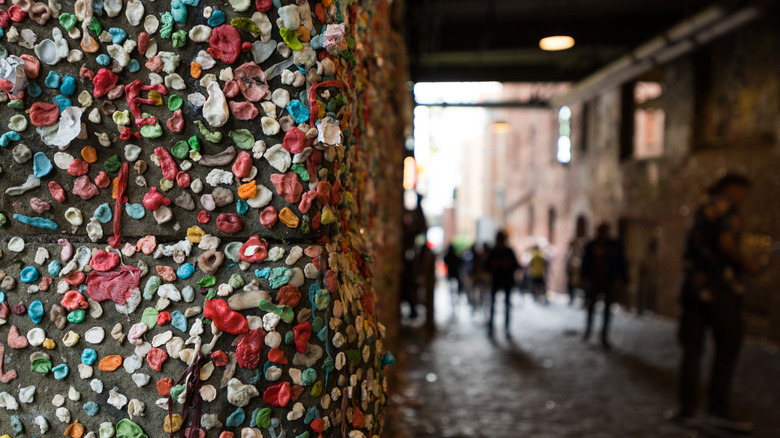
(500, 127)
(558, 42)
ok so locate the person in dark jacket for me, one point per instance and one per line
(502, 264)
(712, 294)
(603, 273)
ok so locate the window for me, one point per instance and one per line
(643, 120)
(564, 135)
(649, 120)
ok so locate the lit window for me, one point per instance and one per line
(564, 135)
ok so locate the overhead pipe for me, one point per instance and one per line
(675, 42)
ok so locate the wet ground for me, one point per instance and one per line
(547, 382)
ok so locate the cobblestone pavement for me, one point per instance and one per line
(547, 382)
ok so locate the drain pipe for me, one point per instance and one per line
(675, 42)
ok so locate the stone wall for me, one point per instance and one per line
(196, 200)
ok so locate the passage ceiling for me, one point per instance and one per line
(497, 40)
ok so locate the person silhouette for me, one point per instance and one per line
(502, 264)
(603, 273)
(712, 298)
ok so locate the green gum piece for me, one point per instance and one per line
(207, 281)
(151, 287)
(3, 219)
(290, 37)
(243, 138)
(175, 102)
(236, 281)
(243, 23)
(77, 316)
(149, 317)
(300, 169)
(316, 390)
(16, 104)
(303, 435)
(194, 143)
(167, 25)
(179, 38)
(289, 337)
(180, 150)
(95, 26)
(212, 293)
(67, 21)
(112, 164)
(177, 390)
(263, 418)
(151, 131)
(231, 251)
(211, 137)
(41, 365)
(165, 184)
(128, 429)
(285, 312)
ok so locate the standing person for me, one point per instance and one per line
(573, 266)
(603, 273)
(537, 268)
(711, 298)
(502, 264)
(453, 262)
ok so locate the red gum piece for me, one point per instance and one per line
(277, 395)
(220, 358)
(225, 42)
(132, 90)
(73, 300)
(302, 335)
(268, 216)
(183, 179)
(294, 141)
(43, 113)
(164, 386)
(288, 295)
(231, 89)
(243, 110)
(104, 81)
(102, 180)
(4, 22)
(104, 260)
(323, 192)
(154, 200)
(306, 200)
(156, 357)
(16, 13)
(176, 122)
(78, 167)
(224, 318)
(204, 217)
(287, 186)
(75, 278)
(169, 167)
(229, 223)
(56, 191)
(276, 356)
(264, 5)
(143, 42)
(260, 254)
(251, 81)
(248, 352)
(164, 318)
(243, 164)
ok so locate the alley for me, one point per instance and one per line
(547, 382)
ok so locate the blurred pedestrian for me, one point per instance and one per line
(537, 268)
(712, 298)
(453, 262)
(573, 266)
(603, 274)
(502, 264)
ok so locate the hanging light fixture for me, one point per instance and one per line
(557, 42)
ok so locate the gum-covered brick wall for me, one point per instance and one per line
(198, 203)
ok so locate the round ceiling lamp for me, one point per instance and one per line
(558, 42)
